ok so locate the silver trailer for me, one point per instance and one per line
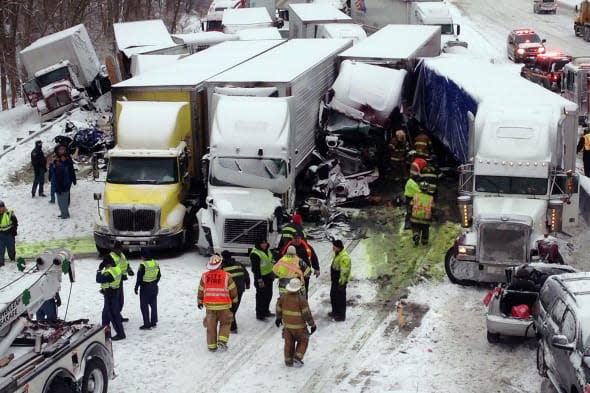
(306, 19)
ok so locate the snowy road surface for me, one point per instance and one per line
(445, 351)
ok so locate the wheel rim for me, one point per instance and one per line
(96, 381)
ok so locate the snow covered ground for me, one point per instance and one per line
(441, 347)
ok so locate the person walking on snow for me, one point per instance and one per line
(109, 276)
(217, 292)
(340, 274)
(148, 277)
(121, 260)
(410, 189)
(293, 313)
(63, 183)
(261, 260)
(39, 163)
(8, 232)
(422, 205)
(240, 275)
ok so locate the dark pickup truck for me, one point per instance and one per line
(546, 70)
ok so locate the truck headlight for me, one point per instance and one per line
(466, 250)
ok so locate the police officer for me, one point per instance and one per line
(340, 274)
(240, 276)
(422, 205)
(121, 260)
(8, 231)
(148, 276)
(261, 260)
(109, 276)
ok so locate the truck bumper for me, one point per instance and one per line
(479, 272)
(134, 243)
(56, 112)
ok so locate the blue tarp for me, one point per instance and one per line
(441, 106)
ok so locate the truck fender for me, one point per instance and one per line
(60, 372)
(98, 350)
(207, 236)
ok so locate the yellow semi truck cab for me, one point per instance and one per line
(148, 177)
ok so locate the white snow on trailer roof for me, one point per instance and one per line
(486, 81)
(393, 42)
(345, 30)
(197, 68)
(245, 16)
(310, 12)
(148, 34)
(141, 64)
(203, 38)
(60, 35)
(264, 33)
(285, 62)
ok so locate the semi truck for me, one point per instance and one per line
(375, 14)
(212, 22)
(48, 356)
(516, 144)
(153, 184)
(263, 132)
(575, 85)
(63, 71)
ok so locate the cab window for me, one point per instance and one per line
(557, 312)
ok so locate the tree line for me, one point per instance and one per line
(25, 21)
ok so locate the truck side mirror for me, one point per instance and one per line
(458, 29)
(543, 41)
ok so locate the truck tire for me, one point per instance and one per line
(449, 269)
(493, 338)
(60, 385)
(95, 378)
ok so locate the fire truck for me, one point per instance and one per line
(575, 85)
(546, 70)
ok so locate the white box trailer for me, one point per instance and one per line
(238, 19)
(305, 19)
(396, 45)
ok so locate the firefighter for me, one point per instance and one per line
(410, 189)
(418, 164)
(295, 227)
(422, 205)
(293, 313)
(340, 274)
(121, 260)
(148, 277)
(429, 175)
(399, 148)
(241, 278)
(306, 253)
(217, 292)
(288, 267)
(109, 276)
(422, 145)
(261, 259)
(584, 145)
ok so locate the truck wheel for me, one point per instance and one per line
(60, 385)
(95, 378)
(541, 365)
(493, 338)
(450, 268)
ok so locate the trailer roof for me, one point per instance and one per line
(142, 36)
(392, 42)
(140, 64)
(197, 68)
(285, 62)
(483, 80)
(245, 16)
(262, 33)
(60, 35)
(310, 12)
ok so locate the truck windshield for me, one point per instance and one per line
(511, 185)
(53, 76)
(447, 29)
(263, 173)
(128, 170)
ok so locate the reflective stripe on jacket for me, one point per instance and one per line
(217, 290)
(120, 261)
(341, 264)
(6, 221)
(115, 272)
(151, 270)
(288, 267)
(422, 208)
(265, 260)
(293, 309)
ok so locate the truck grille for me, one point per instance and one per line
(503, 243)
(140, 220)
(244, 231)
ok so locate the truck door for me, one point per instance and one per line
(32, 92)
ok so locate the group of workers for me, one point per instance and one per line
(222, 285)
(421, 184)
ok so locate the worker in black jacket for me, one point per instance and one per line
(39, 163)
(240, 276)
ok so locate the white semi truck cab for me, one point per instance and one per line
(250, 172)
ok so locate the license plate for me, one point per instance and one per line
(496, 269)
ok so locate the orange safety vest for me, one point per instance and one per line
(288, 267)
(587, 142)
(216, 289)
(305, 244)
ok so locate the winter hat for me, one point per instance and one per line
(2, 204)
(226, 255)
(214, 262)
(338, 243)
(146, 253)
(297, 219)
(291, 250)
(294, 285)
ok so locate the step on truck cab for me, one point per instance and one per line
(153, 184)
(516, 144)
(257, 152)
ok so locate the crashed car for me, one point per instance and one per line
(356, 115)
(510, 305)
